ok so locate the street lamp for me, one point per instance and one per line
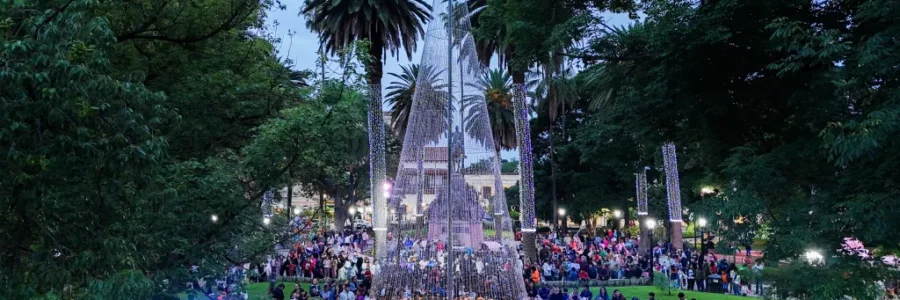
(617, 214)
(214, 218)
(650, 225)
(701, 222)
(814, 257)
(562, 218)
(707, 191)
(267, 221)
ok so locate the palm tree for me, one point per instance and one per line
(497, 95)
(422, 82)
(386, 24)
(400, 93)
(555, 91)
(400, 96)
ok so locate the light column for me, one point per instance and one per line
(640, 188)
(377, 169)
(673, 192)
(526, 171)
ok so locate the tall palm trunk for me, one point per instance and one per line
(526, 186)
(557, 221)
(377, 165)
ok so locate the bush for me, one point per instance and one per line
(661, 282)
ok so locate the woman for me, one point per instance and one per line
(617, 295)
(603, 295)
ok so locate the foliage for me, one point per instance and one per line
(509, 166)
(496, 87)
(661, 282)
(127, 125)
(388, 25)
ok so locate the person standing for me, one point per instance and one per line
(700, 276)
(690, 278)
(757, 272)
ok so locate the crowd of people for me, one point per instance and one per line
(340, 267)
(613, 255)
(338, 262)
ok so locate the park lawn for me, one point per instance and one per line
(258, 291)
(642, 291)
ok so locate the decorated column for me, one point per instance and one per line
(379, 186)
(640, 187)
(673, 193)
(526, 171)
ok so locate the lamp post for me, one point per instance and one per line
(651, 223)
(562, 219)
(352, 211)
(701, 222)
(617, 214)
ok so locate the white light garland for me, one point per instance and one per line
(673, 188)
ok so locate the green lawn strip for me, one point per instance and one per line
(257, 291)
(642, 291)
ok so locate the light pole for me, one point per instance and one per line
(562, 219)
(651, 223)
(617, 214)
(701, 222)
(352, 211)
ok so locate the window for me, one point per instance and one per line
(486, 191)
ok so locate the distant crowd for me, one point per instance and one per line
(613, 255)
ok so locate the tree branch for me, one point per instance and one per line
(228, 24)
(53, 16)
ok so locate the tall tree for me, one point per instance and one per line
(401, 93)
(496, 87)
(387, 25)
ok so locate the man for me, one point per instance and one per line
(278, 293)
(544, 292)
(680, 296)
(651, 296)
(757, 270)
(586, 293)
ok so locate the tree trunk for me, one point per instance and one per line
(499, 207)
(526, 169)
(340, 210)
(377, 164)
(557, 221)
(290, 192)
(321, 208)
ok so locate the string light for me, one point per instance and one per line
(377, 167)
(673, 188)
(640, 186)
(526, 159)
(448, 180)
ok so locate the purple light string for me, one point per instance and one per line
(526, 159)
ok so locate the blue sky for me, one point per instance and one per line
(299, 44)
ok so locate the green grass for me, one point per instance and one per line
(642, 291)
(258, 291)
